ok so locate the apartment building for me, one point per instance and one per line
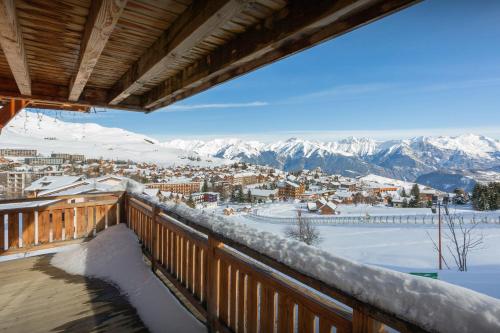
(69, 157)
(183, 186)
(17, 181)
(243, 179)
(18, 152)
(43, 161)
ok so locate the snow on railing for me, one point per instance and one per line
(402, 301)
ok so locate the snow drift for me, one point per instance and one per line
(115, 256)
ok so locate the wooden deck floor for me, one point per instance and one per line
(37, 297)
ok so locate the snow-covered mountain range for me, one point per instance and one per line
(403, 159)
(427, 159)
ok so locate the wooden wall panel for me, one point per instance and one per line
(13, 230)
(43, 227)
(100, 217)
(28, 229)
(57, 225)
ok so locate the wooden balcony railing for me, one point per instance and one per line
(238, 289)
(233, 286)
(33, 223)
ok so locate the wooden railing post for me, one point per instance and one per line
(212, 283)
(363, 323)
(154, 238)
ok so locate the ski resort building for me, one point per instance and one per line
(140, 56)
(290, 190)
(183, 186)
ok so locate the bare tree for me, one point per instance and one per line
(463, 238)
(303, 231)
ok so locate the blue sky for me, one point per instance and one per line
(431, 69)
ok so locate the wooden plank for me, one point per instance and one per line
(267, 309)
(11, 41)
(29, 229)
(102, 19)
(223, 292)
(2, 233)
(306, 320)
(13, 230)
(296, 27)
(194, 25)
(43, 93)
(241, 302)
(251, 296)
(233, 288)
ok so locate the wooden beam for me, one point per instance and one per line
(11, 41)
(54, 94)
(195, 24)
(101, 21)
(9, 109)
(297, 27)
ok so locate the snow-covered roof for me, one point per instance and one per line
(26, 204)
(262, 193)
(312, 206)
(52, 182)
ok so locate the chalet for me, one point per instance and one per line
(328, 208)
(48, 184)
(290, 190)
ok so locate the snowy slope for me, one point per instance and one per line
(47, 135)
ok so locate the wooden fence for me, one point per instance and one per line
(28, 223)
(237, 289)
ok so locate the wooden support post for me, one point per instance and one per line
(212, 283)
(94, 222)
(9, 109)
(6, 231)
(51, 227)
(154, 238)
(36, 227)
(20, 229)
(106, 213)
(118, 213)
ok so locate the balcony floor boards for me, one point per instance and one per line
(37, 297)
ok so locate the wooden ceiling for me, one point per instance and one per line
(142, 55)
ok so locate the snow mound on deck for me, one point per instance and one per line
(115, 256)
(432, 304)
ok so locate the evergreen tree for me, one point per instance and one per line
(249, 196)
(415, 193)
(486, 197)
(403, 193)
(204, 188)
(233, 195)
(240, 196)
(190, 202)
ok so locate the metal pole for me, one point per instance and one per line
(440, 256)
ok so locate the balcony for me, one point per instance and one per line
(234, 278)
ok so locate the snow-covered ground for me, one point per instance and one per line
(46, 134)
(290, 209)
(406, 248)
(115, 256)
